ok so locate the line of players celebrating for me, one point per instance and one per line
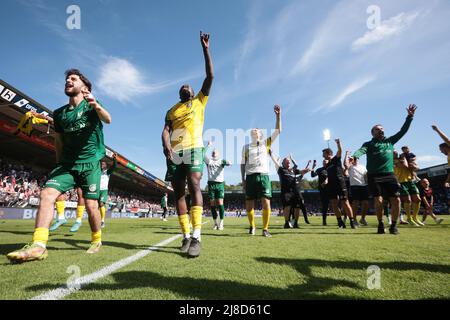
(80, 147)
(390, 178)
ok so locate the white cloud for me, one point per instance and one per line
(429, 160)
(121, 80)
(350, 89)
(387, 29)
(307, 57)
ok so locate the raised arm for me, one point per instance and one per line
(207, 83)
(206, 158)
(347, 160)
(307, 165)
(293, 160)
(396, 137)
(441, 134)
(276, 133)
(101, 112)
(276, 160)
(339, 152)
(313, 172)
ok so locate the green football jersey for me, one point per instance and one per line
(82, 133)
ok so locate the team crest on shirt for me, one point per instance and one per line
(92, 187)
(189, 104)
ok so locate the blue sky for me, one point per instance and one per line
(318, 60)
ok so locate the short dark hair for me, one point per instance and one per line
(444, 145)
(328, 150)
(371, 130)
(82, 77)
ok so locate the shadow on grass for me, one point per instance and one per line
(206, 289)
(304, 265)
(7, 248)
(314, 287)
(18, 232)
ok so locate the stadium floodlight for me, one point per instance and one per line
(326, 135)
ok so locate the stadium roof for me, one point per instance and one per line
(434, 171)
(14, 104)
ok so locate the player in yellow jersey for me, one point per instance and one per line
(409, 193)
(182, 140)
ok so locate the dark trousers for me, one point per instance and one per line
(301, 205)
(325, 204)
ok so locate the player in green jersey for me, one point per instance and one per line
(79, 149)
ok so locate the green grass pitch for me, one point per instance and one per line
(313, 262)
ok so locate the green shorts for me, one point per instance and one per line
(216, 190)
(103, 196)
(185, 162)
(83, 175)
(258, 186)
(408, 188)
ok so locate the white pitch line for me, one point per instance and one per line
(64, 291)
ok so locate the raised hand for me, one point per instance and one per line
(411, 109)
(204, 39)
(277, 109)
(435, 127)
(89, 97)
(338, 141)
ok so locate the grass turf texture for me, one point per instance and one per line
(313, 262)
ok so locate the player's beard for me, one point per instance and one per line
(73, 93)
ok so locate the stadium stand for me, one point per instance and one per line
(26, 160)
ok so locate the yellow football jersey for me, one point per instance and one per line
(402, 174)
(186, 120)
